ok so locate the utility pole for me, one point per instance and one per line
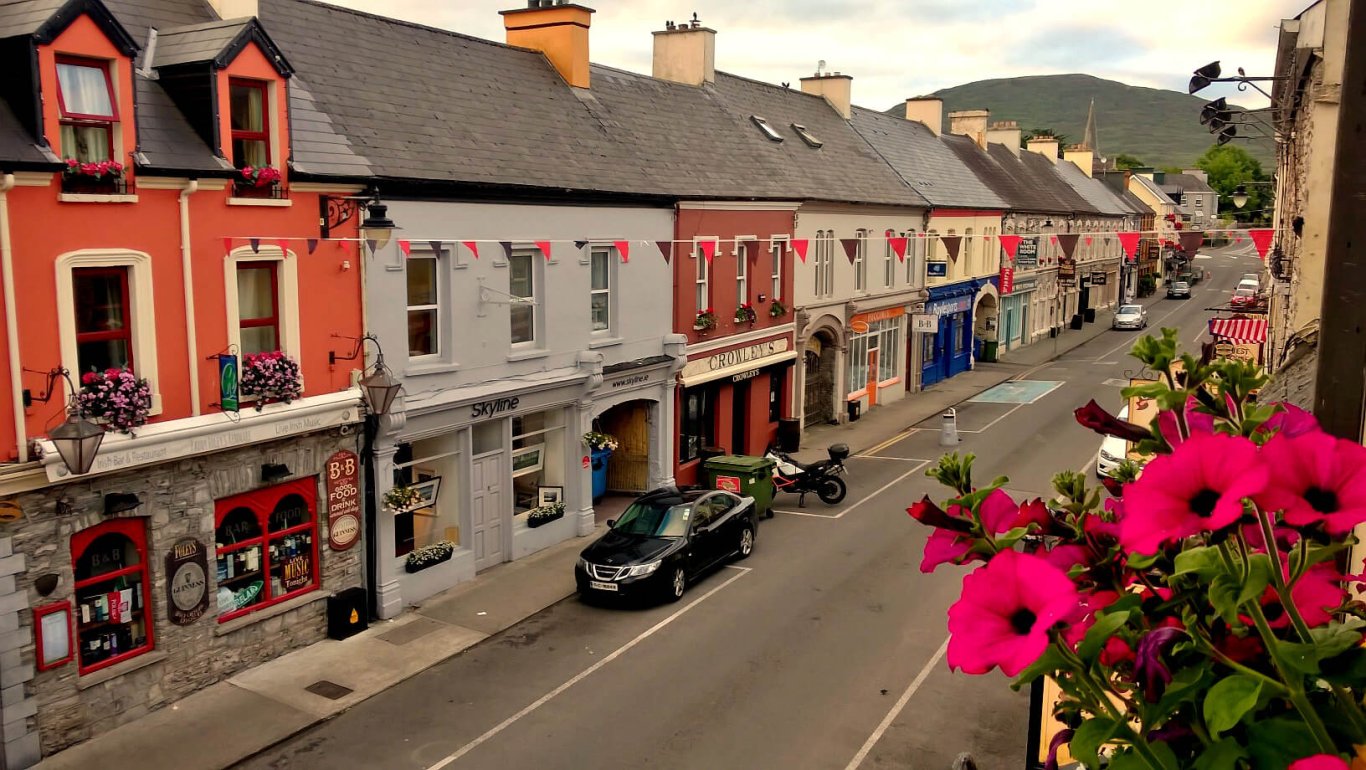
(1340, 391)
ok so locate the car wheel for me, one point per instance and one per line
(678, 585)
(746, 545)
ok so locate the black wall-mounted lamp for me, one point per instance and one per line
(379, 388)
(272, 472)
(47, 583)
(377, 226)
(77, 439)
(335, 211)
(120, 502)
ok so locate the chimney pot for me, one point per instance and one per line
(559, 30)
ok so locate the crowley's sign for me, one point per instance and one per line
(750, 356)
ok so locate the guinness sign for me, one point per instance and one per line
(187, 582)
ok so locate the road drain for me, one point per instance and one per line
(329, 690)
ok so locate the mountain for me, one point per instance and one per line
(1161, 128)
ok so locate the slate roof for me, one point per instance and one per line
(165, 137)
(1093, 190)
(196, 42)
(17, 147)
(924, 161)
(25, 17)
(1153, 188)
(1188, 183)
(1024, 185)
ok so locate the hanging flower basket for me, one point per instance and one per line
(401, 499)
(428, 556)
(599, 441)
(705, 320)
(118, 398)
(745, 314)
(544, 514)
(776, 309)
(261, 176)
(269, 377)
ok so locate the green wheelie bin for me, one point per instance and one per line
(743, 475)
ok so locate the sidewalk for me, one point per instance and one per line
(248, 713)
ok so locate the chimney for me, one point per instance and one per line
(557, 29)
(1197, 173)
(235, 9)
(1046, 146)
(1082, 156)
(972, 124)
(836, 88)
(928, 110)
(1005, 132)
(686, 53)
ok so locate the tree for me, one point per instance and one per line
(1062, 139)
(1229, 166)
(1125, 161)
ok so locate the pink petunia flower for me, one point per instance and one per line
(1196, 422)
(1320, 762)
(1319, 591)
(1290, 421)
(944, 547)
(1200, 487)
(1318, 478)
(1005, 612)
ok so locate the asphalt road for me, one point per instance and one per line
(823, 650)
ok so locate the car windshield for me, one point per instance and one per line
(1130, 310)
(654, 519)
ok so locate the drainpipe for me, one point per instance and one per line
(187, 274)
(11, 323)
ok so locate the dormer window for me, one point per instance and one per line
(85, 97)
(250, 124)
(806, 136)
(769, 131)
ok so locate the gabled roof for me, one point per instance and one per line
(924, 161)
(216, 43)
(17, 148)
(1045, 172)
(1024, 185)
(1188, 183)
(166, 139)
(1093, 190)
(44, 20)
(1152, 188)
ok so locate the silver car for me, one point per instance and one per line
(1130, 317)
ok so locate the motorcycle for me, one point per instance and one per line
(821, 477)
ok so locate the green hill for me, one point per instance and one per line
(1161, 128)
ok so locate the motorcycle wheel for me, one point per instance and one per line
(831, 490)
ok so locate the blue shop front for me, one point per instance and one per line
(948, 351)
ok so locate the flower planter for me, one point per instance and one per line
(545, 514)
(543, 520)
(429, 556)
(270, 377)
(116, 398)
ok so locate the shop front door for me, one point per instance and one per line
(488, 510)
(872, 377)
(739, 417)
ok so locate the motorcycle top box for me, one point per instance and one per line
(838, 452)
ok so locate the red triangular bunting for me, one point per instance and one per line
(1053, 239)
(255, 245)
(951, 244)
(1011, 243)
(1130, 243)
(624, 248)
(708, 250)
(1191, 242)
(312, 245)
(666, 250)
(1088, 240)
(473, 246)
(800, 246)
(1068, 242)
(227, 245)
(544, 246)
(284, 245)
(850, 248)
(406, 247)
(899, 247)
(1262, 240)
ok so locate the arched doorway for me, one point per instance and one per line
(986, 327)
(628, 469)
(821, 374)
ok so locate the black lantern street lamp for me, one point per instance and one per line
(78, 438)
(1240, 196)
(379, 388)
(377, 226)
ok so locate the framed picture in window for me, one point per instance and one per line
(52, 629)
(528, 459)
(427, 489)
(549, 495)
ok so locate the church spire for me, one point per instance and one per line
(1089, 138)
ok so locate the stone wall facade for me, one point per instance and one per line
(51, 710)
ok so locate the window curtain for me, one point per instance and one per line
(84, 90)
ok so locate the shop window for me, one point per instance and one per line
(85, 96)
(538, 457)
(742, 273)
(104, 322)
(600, 288)
(888, 362)
(699, 422)
(113, 622)
(522, 285)
(859, 347)
(424, 306)
(258, 307)
(776, 379)
(250, 123)
(266, 547)
(435, 465)
(888, 260)
(927, 347)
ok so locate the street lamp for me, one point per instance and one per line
(77, 439)
(1240, 196)
(377, 226)
(379, 388)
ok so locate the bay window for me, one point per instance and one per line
(266, 547)
(85, 100)
(111, 589)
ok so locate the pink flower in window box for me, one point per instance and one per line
(271, 376)
(118, 398)
(261, 176)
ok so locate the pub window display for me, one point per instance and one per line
(112, 617)
(266, 547)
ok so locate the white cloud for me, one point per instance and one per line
(898, 48)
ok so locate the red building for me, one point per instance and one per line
(733, 283)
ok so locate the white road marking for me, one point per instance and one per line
(902, 459)
(541, 701)
(896, 709)
(880, 490)
(992, 424)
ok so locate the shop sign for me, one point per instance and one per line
(1098, 279)
(629, 381)
(1067, 269)
(749, 375)
(752, 354)
(936, 269)
(298, 572)
(187, 582)
(494, 407)
(950, 306)
(1027, 254)
(1027, 284)
(1086, 280)
(925, 323)
(343, 500)
(1007, 280)
(227, 382)
(1247, 352)
(878, 315)
(728, 483)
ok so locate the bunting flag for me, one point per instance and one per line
(507, 249)
(284, 246)
(580, 244)
(227, 245)
(850, 248)
(624, 247)
(544, 246)
(1262, 240)
(1068, 241)
(1129, 240)
(473, 246)
(1011, 243)
(436, 246)
(1088, 240)
(666, 250)
(708, 250)
(373, 244)
(1191, 242)
(800, 246)
(312, 245)
(406, 247)
(899, 247)
(255, 245)
(1053, 239)
(952, 244)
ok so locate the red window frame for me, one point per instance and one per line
(239, 133)
(135, 529)
(272, 320)
(126, 332)
(38, 614)
(79, 119)
(262, 503)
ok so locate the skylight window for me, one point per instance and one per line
(806, 136)
(769, 131)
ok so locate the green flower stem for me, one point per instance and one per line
(1101, 693)
(1278, 578)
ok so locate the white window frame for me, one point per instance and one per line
(702, 280)
(776, 248)
(820, 273)
(609, 253)
(142, 311)
(742, 247)
(287, 303)
(829, 266)
(861, 261)
(440, 295)
(969, 248)
(889, 260)
(536, 276)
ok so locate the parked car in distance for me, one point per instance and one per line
(1243, 298)
(1112, 451)
(1130, 317)
(1255, 278)
(1250, 284)
(665, 540)
(1178, 290)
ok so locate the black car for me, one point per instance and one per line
(665, 540)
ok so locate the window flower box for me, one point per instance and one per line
(259, 182)
(704, 321)
(429, 556)
(745, 314)
(117, 398)
(544, 514)
(401, 499)
(101, 178)
(777, 309)
(269, 377)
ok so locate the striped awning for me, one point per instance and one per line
(1239, 329)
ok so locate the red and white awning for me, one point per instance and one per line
(1239, 329)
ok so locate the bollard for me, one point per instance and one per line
(948, 429)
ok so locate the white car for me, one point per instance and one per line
(1112, 451)
(1254, 278)
(1130, 317)
(1250, 284)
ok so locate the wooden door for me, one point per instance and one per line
(487, 511)
(872, 378)
(628, 470)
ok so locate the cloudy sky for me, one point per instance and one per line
(900, 48)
